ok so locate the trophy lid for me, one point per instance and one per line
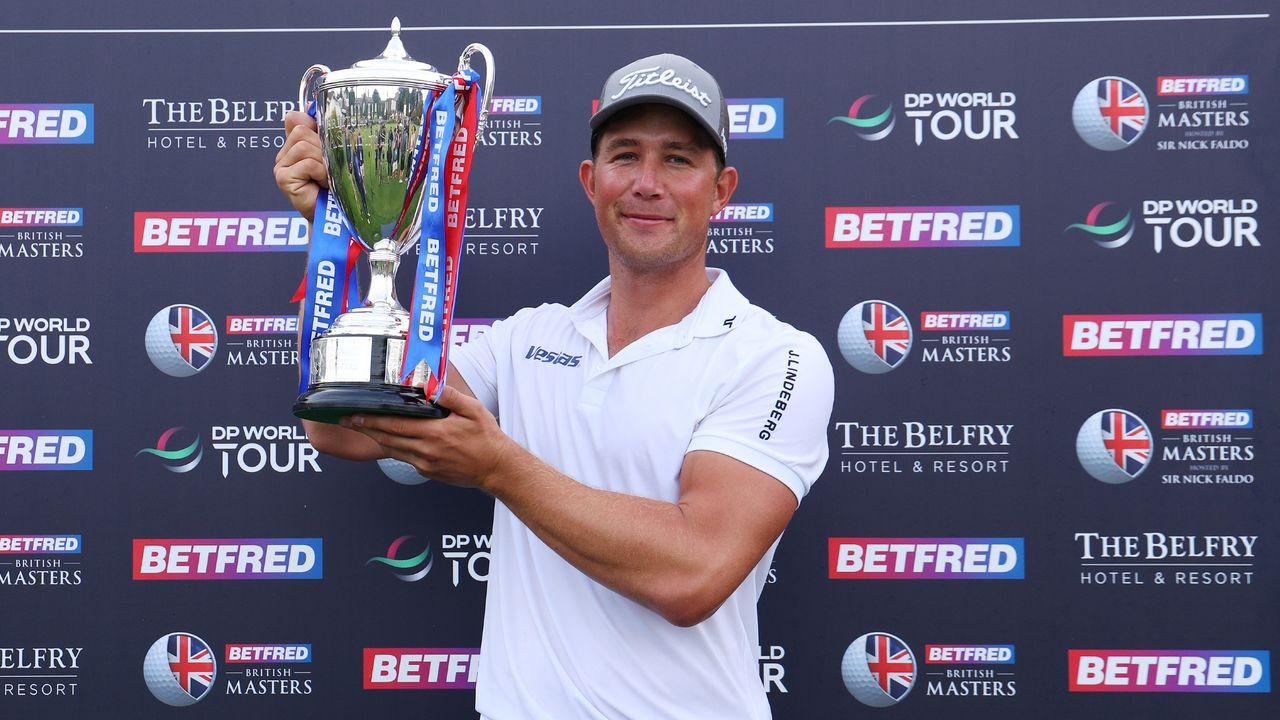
(393, 67)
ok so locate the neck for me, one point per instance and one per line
(640, 303)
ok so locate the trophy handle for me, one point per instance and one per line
(464, 63)
(307, 88)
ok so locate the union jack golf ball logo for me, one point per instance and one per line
(181, 340)
(1110, 113)
(180, 669)
(874, 336)
(1114, 446)
(878, 669)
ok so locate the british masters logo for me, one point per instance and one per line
(514, 121)
(874, 336)
(969, 226)
(970, 670)
(174, 453)
(420, 668)
(35, 233)
(936, 116)
(741, 229)
(1114, 446)
(40, 560)
(755, 118)
(1158, 335)
(268, 669)
(179, 669)
(925, 558)
(1202, 112)
(45, 340)
(218, 123)
(1207, 447)
(46, 450)
(262, 340)
(201, 232)
(401, 560)
(1161, 671)
(878, 669)
(181, 340)
(46, 124)
(1158, 558)
(1110, 113)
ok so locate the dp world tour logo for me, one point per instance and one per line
(1110, 113)
(1114, 446)
(1102, 223)
(181, 340)
(180, 669)
(878, 669)
(176, 459)
(865, 120)
(874, 336)
(408, 569)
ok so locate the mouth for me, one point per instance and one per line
(645, 219)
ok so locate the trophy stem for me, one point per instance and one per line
(382, 276)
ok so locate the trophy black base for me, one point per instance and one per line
(330, 402)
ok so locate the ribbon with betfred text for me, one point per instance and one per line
(330, 287)
(444, 207)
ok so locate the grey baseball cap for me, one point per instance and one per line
(670, 80)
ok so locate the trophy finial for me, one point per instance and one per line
(395, 49)
(395, 26)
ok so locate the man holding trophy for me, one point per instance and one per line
(644, 473)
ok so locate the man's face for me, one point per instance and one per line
(655, 184)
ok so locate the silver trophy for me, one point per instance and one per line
(370, 119)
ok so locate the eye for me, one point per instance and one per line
(679, 160)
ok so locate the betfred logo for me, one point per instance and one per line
(1206, 419)
(41, 217)
(39, 544)
(1202, 334)
(941, 321)
(966, 226)
(1175, 85)
(219, 232)
(46, 124)
(46, 450)
(262, 324)
(744, 212)
(258, 654)
(1169, 670)
(925, 558)
(228, 559)
(969, 654)
(516, 105)
(420, 668)
(755, 118)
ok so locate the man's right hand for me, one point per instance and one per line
(299, 169)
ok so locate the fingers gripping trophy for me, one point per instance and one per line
(397, 138)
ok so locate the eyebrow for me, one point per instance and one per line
(625, 142)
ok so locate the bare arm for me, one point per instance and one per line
(680, 559)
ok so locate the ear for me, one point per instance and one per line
(725, 185)
(587, 176)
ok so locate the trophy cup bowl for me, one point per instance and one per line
(370, 121)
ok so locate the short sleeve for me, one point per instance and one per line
(773, 409)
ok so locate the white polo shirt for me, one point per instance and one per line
(729, 378)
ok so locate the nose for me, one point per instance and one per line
(648, 180)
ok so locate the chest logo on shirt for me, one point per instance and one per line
(541, 354)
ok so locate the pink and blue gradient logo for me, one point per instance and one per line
(228, 559)
(924, 226)
(201, 232)
(46, 450)
(925, 558)
(41, 217)
(46, 124)
(1206, 419)
(1201, 334)
(515, 105)
(969, 655)
(1228, 671)
(260, 653)
(756, 118)
(40, 544)
(744, 212)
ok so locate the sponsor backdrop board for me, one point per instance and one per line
(1038, 245)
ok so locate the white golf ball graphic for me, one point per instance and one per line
(1097, 459)
(161, 349)
(861, 681)
(1092, 126)
(160, 678)
(402, 472)
(859, 350)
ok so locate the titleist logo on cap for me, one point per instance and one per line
(656, 76)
